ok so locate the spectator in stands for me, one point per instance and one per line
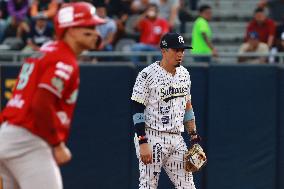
(44, 8)
(119, 10)
(169, 11)
(278, 38)
(279, 31)
(151, 28)
(253, 45)
(17, 24)
(18, 12)
(139, 6)
(193, 4)
(265, 27)
(202, 36)
(13, 35)
(3, 17)
(11, 29)
(119, 7)
(107, 30)
(3, 9)
(121, 27)
(18, 9)
(184, 15)
(40, 33)
(278, 48)
(275, 7)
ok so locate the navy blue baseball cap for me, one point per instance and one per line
(173, 41)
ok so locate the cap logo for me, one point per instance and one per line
(93, 10)
(164, 43)
(66, 15)
(180, 39)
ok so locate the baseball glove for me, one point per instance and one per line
(195, 158)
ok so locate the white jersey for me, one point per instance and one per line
(164, 96)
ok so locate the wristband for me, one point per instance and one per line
(192, 133)
(138, 118)
(195, 140)
(188, 115)
(142, 139)
(56, 144)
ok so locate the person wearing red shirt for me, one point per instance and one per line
(265, 27)
(36, 120)
(151, 29)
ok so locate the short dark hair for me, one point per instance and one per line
(258, 10)
(203, 8)
(153, 5)
(99, 4)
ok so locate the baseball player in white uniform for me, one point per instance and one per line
(161, 109)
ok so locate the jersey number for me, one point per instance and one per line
(24, 76)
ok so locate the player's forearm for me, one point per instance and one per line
(110, 38)
(242, 59)
(190, 126)
(270, 41)
(189, 123)
(189, 118)
(207, 41)
(262, 60)
(173, 15)
(139, 121)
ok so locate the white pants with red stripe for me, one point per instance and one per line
(168, 152)
(26, 161)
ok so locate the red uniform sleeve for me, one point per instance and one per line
(141, 25)
(54, 89)
(272, 28)
(1, 118)
(166, 26)
(45, 119)
(56, 78)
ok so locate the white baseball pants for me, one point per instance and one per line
(168, 152)
(26, 161)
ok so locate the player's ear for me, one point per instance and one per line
(98, 42)
(164, 50)
(70, 31)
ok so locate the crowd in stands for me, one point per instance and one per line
(26, 24)
(151, 27)
(265, 34)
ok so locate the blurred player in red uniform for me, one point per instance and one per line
(37, 118)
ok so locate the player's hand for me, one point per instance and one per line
(146, 153)
(262, 3)
(61, 154)
(215, 52)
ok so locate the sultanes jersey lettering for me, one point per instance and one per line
(164, 96)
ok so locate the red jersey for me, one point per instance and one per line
(264, 30)
(55, 70)
(151, 31)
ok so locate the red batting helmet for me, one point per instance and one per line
(75, 14)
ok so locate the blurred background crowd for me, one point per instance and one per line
(213, 27)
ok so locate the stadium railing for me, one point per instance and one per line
(125, 56)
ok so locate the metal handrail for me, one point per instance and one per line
(17, 56)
